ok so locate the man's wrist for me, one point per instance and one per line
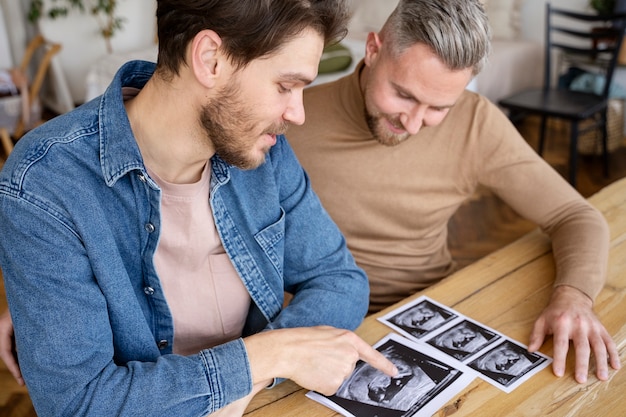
(567, 291)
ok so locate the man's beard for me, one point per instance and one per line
(230, 127)
(376, 120)
(375, 123)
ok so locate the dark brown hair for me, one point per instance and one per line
(249, 29)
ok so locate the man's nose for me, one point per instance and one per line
(294, 113)
(413, 119)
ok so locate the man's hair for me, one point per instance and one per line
(249, 29)
(457, 31)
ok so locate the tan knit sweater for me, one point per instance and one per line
(393, 203)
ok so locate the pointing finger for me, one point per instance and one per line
(376, 359)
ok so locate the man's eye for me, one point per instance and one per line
(283, 89)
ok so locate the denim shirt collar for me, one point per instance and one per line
(119, 152)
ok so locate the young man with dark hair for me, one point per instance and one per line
(149, 235)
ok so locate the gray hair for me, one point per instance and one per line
(457, 31)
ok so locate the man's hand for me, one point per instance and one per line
(316, 358)
(7, 351)
(570, 316)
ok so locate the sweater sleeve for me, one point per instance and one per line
(520, 177)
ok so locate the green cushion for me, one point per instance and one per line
(335, 58)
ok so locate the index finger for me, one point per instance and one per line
(376, 359)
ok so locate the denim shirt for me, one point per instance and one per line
(80, 223)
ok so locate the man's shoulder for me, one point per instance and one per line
(65, 128)
(47, 142)
(325, 91)
(471, 98)
(332, 101)
(471, 107)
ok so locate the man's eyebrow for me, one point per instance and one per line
(295, 77)
(410, 95)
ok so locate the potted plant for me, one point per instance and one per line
(103, 10)
(602, 6)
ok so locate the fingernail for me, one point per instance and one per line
(603, 375)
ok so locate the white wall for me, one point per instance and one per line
(83, 45)
(6, 59)
(533, 15)
(15, 26)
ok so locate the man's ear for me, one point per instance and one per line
(206, 59)
(372, 47)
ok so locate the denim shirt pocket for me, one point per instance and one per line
(272, 240)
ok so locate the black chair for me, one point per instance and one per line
(587, 43)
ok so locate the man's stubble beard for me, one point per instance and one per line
(228, 123)
(380, 133)
(375, 122)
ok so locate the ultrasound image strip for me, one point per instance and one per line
(507, 364)
(466, 341)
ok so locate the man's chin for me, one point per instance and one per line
(386, 138)
(253, 162)
(245, 163)
(391, 140)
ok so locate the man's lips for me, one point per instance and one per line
(394, 127)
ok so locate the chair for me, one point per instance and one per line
(32, 94)
(589, 44)
(7, 142)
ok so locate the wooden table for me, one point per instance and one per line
(506, 291)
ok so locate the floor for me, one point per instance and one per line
(481, 226)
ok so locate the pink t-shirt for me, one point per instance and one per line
(207, 299)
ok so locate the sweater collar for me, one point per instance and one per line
(353, 99)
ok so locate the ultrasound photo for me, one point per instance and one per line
(508, 363)
(421, 318)
(463, 340)
(369, 392)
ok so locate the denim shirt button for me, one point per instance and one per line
(148, 290)
(141, 177)
(162, 344)
(149, 227)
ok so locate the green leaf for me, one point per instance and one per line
(61, 8)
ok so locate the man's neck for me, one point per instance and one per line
(168, 133)
(363, 73)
